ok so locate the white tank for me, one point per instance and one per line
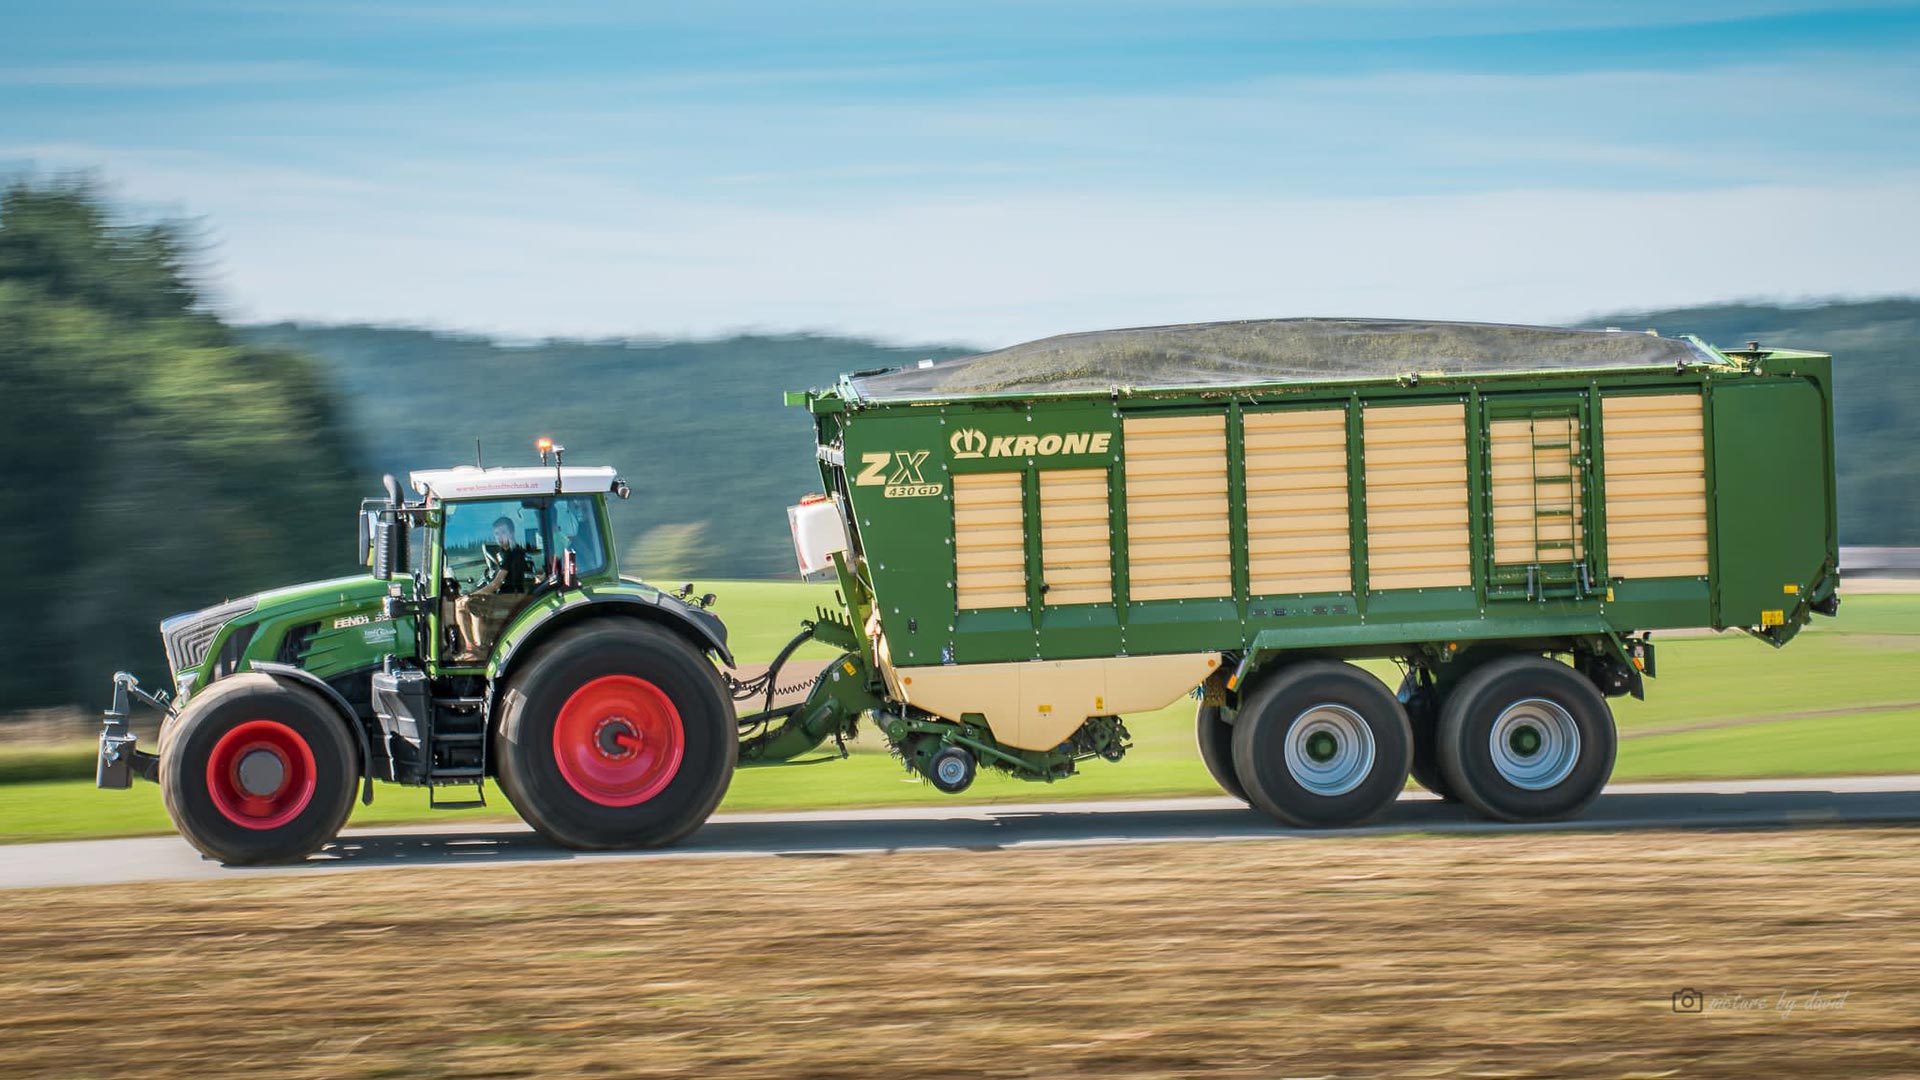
(818, 532)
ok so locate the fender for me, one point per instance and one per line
(340, 706)
(700, 625)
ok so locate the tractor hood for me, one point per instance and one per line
(189, 637)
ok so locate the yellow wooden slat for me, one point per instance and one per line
(1416, 480)
(1687, 403)
(1285, 565)
(1279, 482)
(989, 541)
(1655, 452)
(1075, 544)
(1330, 524)
(1172, 425)
(1291, 584)
(1297, 502)
(1176, 497)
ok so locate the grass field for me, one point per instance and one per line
(1841, 699)
(1496, 956)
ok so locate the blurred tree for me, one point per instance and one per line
(156, 464)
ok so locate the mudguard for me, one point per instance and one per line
(699, 625)
(340, 705)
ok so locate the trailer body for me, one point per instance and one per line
(1061, 549)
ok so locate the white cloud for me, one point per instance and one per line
(1550, 197)
(992, 272)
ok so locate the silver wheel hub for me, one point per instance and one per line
(1534, 743)
(951, 770)
(1329, 750)
(261, 772)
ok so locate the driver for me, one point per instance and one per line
(480, 613)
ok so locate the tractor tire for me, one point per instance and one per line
(255, 771)
(1321, 744)
(616, 734)
(1215, 736)
(1423, 714)
(1526, 739)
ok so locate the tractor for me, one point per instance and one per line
(492, 637)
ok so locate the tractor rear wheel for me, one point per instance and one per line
(1526, 739)
(1215, 736)
(254, 771)
(616, 734)
(1322, 743)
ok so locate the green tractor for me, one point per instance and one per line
(493, 638)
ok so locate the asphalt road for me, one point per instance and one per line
(1743, 804)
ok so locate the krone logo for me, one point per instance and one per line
(974, 443)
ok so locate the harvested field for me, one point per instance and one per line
(1492, 956)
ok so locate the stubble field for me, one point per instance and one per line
(1516, 955)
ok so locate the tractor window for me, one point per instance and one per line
(576, 527)
(497, 543)
(495, 556)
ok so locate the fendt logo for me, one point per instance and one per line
(973, 443)
(899, 471)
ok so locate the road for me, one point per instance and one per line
(1744, 804)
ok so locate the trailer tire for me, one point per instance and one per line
(1423, 714)
(615, 734)
(1322, 744)
(255, 772)
(1215, 736)
(1526, 739)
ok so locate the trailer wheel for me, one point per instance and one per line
(1423, 714)
(1526, 739)
(616, 734)
(1322, 743)
(1215, 736)
(254, 771)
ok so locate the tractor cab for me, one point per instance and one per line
(483, 544)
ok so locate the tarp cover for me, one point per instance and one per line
(1272, 351)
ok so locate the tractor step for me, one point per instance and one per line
(479, 798)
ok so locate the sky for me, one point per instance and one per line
(986, 172)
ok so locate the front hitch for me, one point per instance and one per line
(120, 759)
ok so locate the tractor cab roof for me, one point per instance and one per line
(473, 482)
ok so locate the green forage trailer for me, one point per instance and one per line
(1041, 539)
(1033, 543)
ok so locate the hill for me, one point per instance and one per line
(697, 427)
(1876, 349)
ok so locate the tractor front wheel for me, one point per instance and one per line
(254, 771)
(617, 734)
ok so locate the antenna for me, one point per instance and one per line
(477, 462)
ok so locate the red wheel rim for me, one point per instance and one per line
(618, 740)
(261, 774)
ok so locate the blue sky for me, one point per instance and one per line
(988, 171)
